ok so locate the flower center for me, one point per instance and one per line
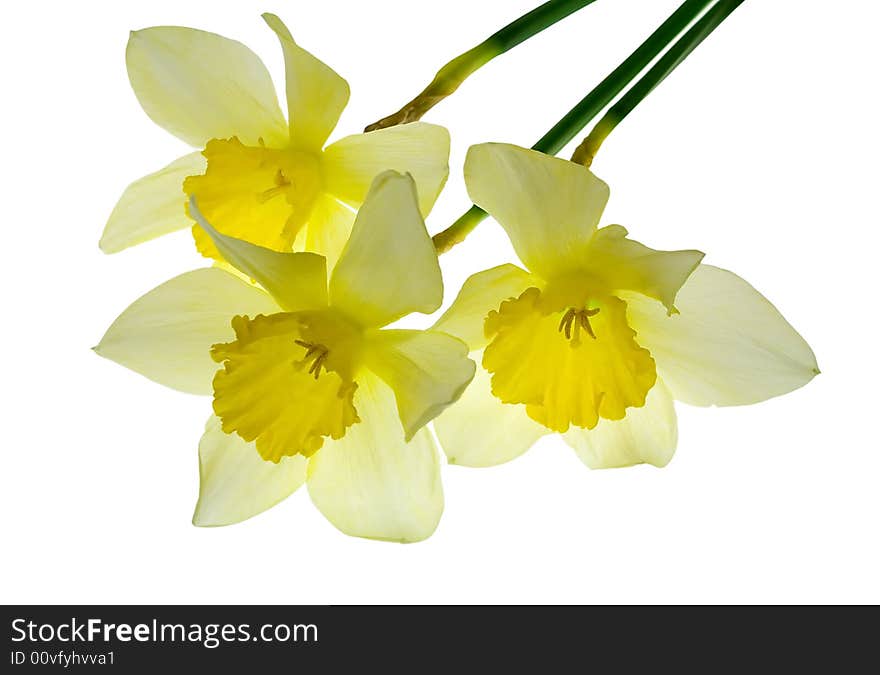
(567, 364)
(263, 195)
(579, 318)
(287, 381)
(282, 185)
(315, 353)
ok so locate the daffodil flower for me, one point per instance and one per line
(311, 386)
(255, 176)
(602, 333)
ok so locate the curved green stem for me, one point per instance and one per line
(450, 76)
(588, 107)
(461, 228)
(677, 53)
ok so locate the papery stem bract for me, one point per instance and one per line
(450, 76)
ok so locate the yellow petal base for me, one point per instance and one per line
(259, 194)
(281, 387)
(568, 365)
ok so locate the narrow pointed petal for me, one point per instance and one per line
(167, 334)
(727, 346)
(480, 294)
(427, 370)
(480, 430)
(647, 435)
(625, 264)
(389, 266)
(199, 85)
(549, 207)
(420, 149)
(235, 483)
(297, 281)
(151, 206)
(372, 483)
(316, 94)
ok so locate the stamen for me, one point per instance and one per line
(567, 318)
(579, 319)
(585, 320)
(319, 351)
(282, 183)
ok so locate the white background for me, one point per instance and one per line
(762, 150)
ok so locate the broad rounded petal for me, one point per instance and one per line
(647, 435)
(151, 206)
(549, 207)
(427, 370)
(480, 430)
(728, 345)
(625, 264)
(328, 229)
(480, 294)
(167, 334)
(389, 266)
(235, 483)
(297, 281)
(372, 483)
(316, 94)
(199, 85)
(420, 149)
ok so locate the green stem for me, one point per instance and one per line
(450, 76)
(677, 53)
(588, 107)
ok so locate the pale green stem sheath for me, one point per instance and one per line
(450, 76)
(677, 53)
(578, 117)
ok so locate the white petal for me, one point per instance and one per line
(372, 483)
(728, 345)
(480, 294)
(420, 149)
(316, 94)
(297, 281)
(151, 206)
(198, 86)
(236, 483)
(427, 370)
(389, 266)
(625, 264)
(480, 430)
(647, 435)
(549, 207)
(167, 334)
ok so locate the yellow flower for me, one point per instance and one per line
(256, 177)
(310, 381)
(602, 333)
